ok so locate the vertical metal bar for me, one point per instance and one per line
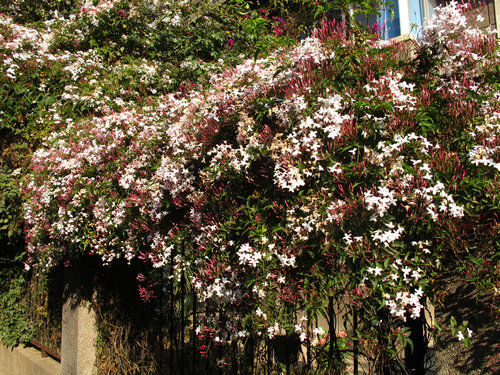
(218, 352)
(253, 347)
(183, 282)
(195, 338)
(171, 315)
(331, 332)
(46, 333)
(160, 328)
(415, 355)
(287, 352)
(355, 347)
(308, 343)
(269, 357)
(207, 356)
(234, 362)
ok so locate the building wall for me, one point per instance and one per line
(490, 12)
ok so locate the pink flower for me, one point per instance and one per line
(230, 43)
(324, 339)
(145, 294)
(278, 31)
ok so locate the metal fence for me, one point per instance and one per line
(44, 313)
(160, 338)
(183, 353)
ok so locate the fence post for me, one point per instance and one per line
(195, 336)
(333, 349)
(355, 346)
(79, 328)
(183, 292)
(79, 335)
(415, 359)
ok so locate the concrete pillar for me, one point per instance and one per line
(79, 335)
(497, 16)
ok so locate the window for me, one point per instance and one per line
(419, 11)
(409, 15)
(390, 27)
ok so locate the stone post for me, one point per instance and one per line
(79, 334)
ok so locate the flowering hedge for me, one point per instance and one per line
(341, 167)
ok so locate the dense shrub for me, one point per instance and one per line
(62, 61)
(342, 167)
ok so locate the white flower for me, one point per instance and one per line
(460, 336)
(335, 168)
(273, 330)
(377, 271)
(248, 255)
(319, 331)
(469, 332)
(406, 271)
(348, 238)
(287, 261)
(242, 334)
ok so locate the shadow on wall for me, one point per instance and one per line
(482, 357)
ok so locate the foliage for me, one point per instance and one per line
(184, 31)
(462, 332)
(14, 325)
(152, 47)
(10, 213)
(119, 50)
(35, 10)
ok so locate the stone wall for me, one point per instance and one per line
(23, 360)
(490, 11)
